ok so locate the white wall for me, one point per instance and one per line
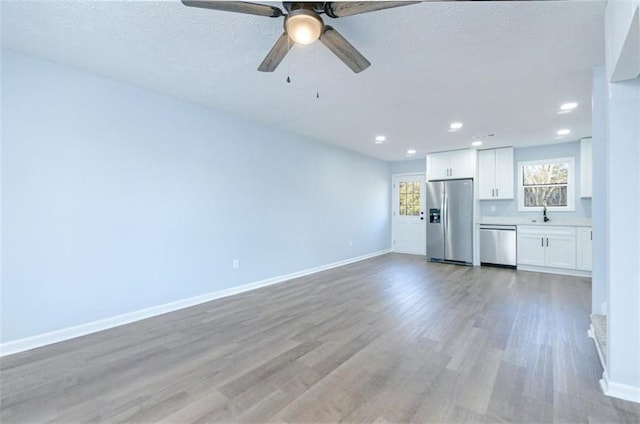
(408, 166)
(116, 199)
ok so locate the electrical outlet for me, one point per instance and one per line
(350, 243)
(493, 208)
(236, 263)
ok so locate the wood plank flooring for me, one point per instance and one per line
(390, 339)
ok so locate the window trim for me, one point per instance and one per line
(571, 185)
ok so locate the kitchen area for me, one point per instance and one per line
(524, 208)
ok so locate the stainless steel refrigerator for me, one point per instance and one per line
(450, 224)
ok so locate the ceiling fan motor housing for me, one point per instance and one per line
(290, 6)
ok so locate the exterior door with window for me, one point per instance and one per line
(409, 231)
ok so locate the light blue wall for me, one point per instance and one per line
(550, 151)
(600, 271)
(408, 166)
(116, 199)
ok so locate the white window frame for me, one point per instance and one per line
(571, 185)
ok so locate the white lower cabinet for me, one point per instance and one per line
(530, 249)
(547, 246)
(561, 251)
(584, 248)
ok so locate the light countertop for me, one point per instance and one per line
(518, 220)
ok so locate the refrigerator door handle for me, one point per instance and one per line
(445, 217)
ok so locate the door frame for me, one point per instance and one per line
(392, 205)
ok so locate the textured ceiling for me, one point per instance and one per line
(498, 67)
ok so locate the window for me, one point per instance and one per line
(547, 182)
(410, 198)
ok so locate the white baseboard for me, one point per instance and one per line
(610, 388)
(618, 390)
(63, 334)
(560, 271)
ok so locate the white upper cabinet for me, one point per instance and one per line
(438, 166)
(451, 165)
(586, 168)
(495, 174)
(486, 174)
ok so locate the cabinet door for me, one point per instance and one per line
(531, 249)
(584, 248)
(504, 173)
(486, 174)
(438, 166)
(462, 163)
(560, 251)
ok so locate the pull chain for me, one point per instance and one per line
(317, 74)
(288, 59)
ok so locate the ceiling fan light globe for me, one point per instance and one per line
(303, 28)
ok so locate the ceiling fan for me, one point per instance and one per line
(303, 25)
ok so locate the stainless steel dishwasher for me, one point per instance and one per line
(498, 245)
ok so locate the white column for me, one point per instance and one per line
(623, 227)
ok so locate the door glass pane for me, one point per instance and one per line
(409, 198)
(409, 187)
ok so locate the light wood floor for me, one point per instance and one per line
(391, 339)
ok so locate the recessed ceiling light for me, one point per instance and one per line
(477, 143)
(380, 139)
(455, 125)
(411, 151)
(569, 106)
(563, 132)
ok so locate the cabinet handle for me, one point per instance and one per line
(496, 192)
(542, 241)
(547, 241)
(492, 191)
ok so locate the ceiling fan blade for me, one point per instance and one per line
(276, 54)
(343, 49)
(338, 9)
(236, 6)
